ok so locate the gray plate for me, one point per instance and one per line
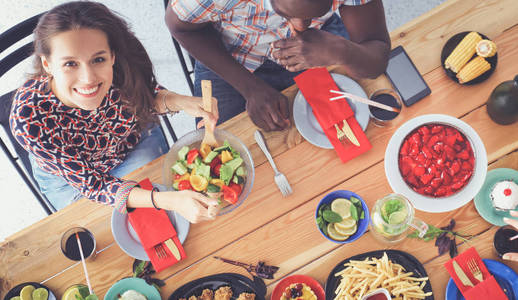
(308, 125)
(127, 238)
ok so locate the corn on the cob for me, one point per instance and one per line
(486, 48)
(463, 52)
(473, 69)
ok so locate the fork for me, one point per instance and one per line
(279, 178)
(160, 251)
(340, 134)
(475, 270)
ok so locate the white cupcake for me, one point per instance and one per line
(504, 195)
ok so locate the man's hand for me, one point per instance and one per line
(309, 49)
(268, 108)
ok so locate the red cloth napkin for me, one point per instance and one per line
(487, 289)
(153, 227)
(315, 85)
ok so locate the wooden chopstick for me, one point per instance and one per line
(363, 100)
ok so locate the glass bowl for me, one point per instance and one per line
(193, 139)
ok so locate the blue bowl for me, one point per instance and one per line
(362, 223)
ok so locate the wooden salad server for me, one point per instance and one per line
(206, 92)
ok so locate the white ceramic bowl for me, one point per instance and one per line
(194, 138)
(431, 204)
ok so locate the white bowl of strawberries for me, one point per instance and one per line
(437, 161)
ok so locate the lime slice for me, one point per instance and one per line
(15, 298)
(71, 293)
(335, 235)
(346, 224)
(26, 293)
(40, 294)
(347, 232)
(342, 207)
(397, 217)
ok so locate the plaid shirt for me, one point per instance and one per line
(246, 26)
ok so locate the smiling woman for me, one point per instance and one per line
(87, 116)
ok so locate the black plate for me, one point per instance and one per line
(237, 282)
(409, 262)
(15, 291)
(448, 48)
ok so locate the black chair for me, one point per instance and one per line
(19, 159)
(188, 72)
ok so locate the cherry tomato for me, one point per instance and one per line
(191, 155)
(236, 187)
(184, 185)
(216, 169)
(216, 161)
(229, 194)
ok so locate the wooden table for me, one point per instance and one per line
(280, 230)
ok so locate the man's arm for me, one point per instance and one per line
(368, 50)
(266, 106)
(365, 55)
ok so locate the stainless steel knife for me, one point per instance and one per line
(462, 276)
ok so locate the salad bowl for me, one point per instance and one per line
(430, 203)
(193, 140)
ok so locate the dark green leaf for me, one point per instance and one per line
(354, 212)
(355, 200)
(83, 291)
(139, 269)
(78, 297)
(331, 216)
(324, 230)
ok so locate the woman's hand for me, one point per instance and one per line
(514, 223)
(193, 206)
(194, 107)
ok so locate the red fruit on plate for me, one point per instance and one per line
(419, 170)
(423, 130)
(414, 150)
(437, 128)
(450, 152)
(412, 180)
(426, 178)
(427, 163)
(427, 152)
(436, 182)
(450, 140)
(463, 155)
(455, 166)
(466, 166)
(428, 190)
(420, 159)
(438, 147)
(460, 138)
(404, 148)
(433, 140)
(440, 192)
(446, 179)
(416, 139)
(457, 185)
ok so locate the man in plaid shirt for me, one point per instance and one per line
(252, 49)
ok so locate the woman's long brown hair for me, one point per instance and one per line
(132, 72)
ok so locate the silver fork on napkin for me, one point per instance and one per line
(280, 179)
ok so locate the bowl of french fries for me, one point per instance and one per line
(400, 273)
(469, 57)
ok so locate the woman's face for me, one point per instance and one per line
(80, 63)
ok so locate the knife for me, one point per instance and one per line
(462, 276)
(172, 247)
(349, 134)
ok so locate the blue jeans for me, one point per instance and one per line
(230, 101)
(57, 190)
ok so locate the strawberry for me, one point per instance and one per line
(423, 130)
(428, 190)
(427, 152)
(450, 152)
(404, 148)
(438, 147)
(416, 139)
(446, 179)
(419, 170)
(412, 180)
(457, 185)
(466, 166)
(463, 155)
(459, 136)
(434, 139)
(450, 140)
(441, 191)
(437, 129)
(414, 150)
(426, 178)
(421, 159)
(436, 182)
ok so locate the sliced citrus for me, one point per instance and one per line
(205, 150)
(342, 207)
(40, 294)
(26, 292)
(71, 293)
(198, 182)
(217, 182)
(346, 224)
(397, 217)
(335, 235)
(15, 298)
(346, 232)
